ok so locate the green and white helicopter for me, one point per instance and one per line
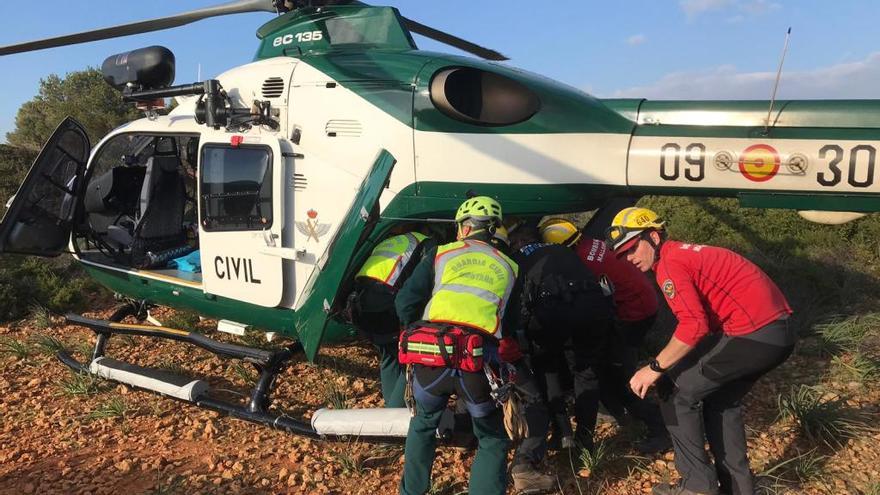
(287, 171)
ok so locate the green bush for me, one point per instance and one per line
(58, 284)
(14, 164)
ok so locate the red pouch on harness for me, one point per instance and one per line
(471, 358)
(441, 347)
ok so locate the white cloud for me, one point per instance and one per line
(636, 39)
(845, 80)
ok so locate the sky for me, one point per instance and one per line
(656, 49)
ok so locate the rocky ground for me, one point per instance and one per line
(66, 434)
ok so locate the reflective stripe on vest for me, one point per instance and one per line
(472, 284)
(424, 348)
(390, 257)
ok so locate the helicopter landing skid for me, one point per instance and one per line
(268, 363)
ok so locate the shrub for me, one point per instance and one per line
(40, 317)
(81, 384)
(847, 333)
(334, 394)
(857, 366)
(182, 320)
(114, 408)
(594, 460)
(820, 419)
(58, 284)
(14, 347)
(48, 344)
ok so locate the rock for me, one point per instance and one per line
(123, 466)
(227, 475)
(238, 467)
(28, 488)
(283, 473)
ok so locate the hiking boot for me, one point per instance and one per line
(558, 443)
(528, 480)
(654, 444)
(677, 490)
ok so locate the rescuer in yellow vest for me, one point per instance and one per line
(463, 288)
(371, 304)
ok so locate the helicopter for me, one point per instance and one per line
(284, 173)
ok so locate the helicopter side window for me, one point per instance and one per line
(481, 97)
(236, 188)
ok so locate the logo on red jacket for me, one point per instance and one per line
(669, 288)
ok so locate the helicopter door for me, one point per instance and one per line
(38, 221)
(240, 213)
(322, 291)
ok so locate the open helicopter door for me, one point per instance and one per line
(321, 293)
(39, 219)
(241, 199)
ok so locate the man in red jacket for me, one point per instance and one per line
(732, 329)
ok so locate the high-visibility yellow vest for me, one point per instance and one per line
(390, 257)
(472, 284)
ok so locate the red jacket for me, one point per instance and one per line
(711, 288)
(634, 296)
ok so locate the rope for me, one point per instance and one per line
(408, 396)
(514, 417)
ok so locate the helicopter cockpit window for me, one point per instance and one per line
(363, 29)
(481, 97)
(236, 188)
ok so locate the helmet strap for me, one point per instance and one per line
(646, 235)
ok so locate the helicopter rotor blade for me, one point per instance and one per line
(455, 41)
(236, 7)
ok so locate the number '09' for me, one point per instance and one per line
(694, 156)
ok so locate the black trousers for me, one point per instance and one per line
(533, 448)
(581, 357)
(614, 375)
(706, 404)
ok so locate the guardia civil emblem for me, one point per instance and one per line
(312, 228)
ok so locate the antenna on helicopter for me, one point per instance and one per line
(776, 84)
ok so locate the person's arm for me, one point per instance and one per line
(511, 322)
(416, 291)
(693, 324)
(643, 379)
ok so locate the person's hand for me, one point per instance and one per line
(643, 380)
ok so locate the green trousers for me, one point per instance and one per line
(488, 471)
(391, 375)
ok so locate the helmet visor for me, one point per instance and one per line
(619, 237)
